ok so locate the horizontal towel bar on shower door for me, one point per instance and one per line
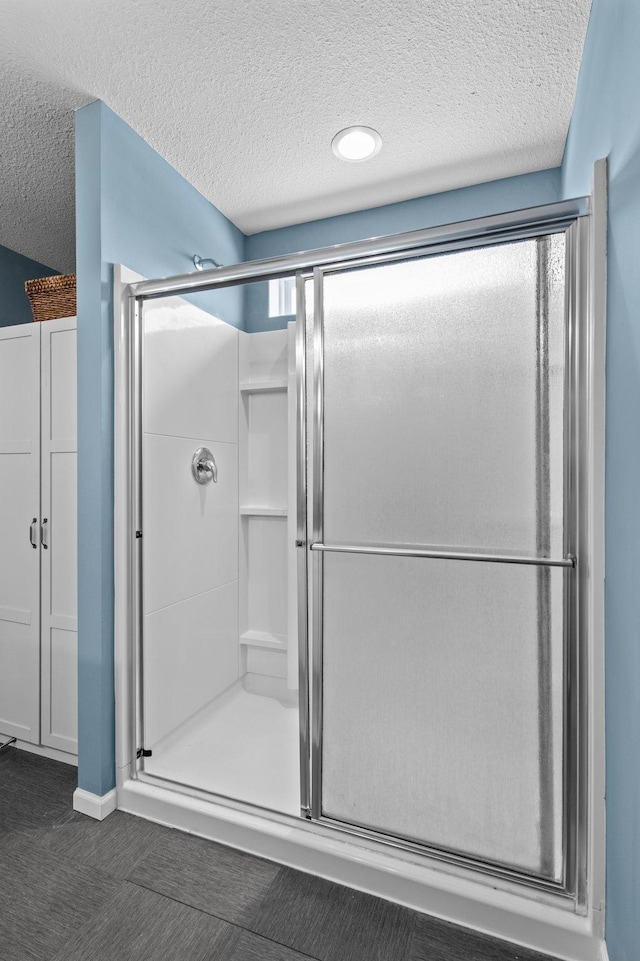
(430, 552)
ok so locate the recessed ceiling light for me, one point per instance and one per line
(355, 144)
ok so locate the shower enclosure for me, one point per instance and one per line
(355, 543)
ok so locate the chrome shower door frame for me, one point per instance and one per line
(575, 749)
(570, 215)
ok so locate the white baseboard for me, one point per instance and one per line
(93, 805)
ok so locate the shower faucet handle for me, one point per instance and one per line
(204, 467)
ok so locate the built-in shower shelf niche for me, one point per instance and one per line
(264, 449)
(263, 386)
(267, 641)
(275, 642)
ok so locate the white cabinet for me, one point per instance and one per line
(38, 576)
(19, 529)
(58, 554)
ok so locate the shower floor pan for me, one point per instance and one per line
(242, 745)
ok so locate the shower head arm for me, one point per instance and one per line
(200, 262)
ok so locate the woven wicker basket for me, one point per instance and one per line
(52, 297)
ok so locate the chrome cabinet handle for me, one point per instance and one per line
(204, 467)
(43, 531)
(32, 533)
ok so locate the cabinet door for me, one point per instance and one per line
(59, 535)
(19, 529)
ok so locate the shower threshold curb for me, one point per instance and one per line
(364, 866)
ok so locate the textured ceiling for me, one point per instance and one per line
(243, 99)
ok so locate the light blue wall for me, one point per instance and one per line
(480, 200)
(131, 208)
(153, 221)
(96, 716)
(14, 270)
(512, 193)
(606, 122)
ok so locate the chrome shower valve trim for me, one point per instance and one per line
(204, 467)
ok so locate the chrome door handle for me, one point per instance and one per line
(204, 467)
(43, 531)
(32, 533)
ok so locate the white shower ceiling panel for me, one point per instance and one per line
(243, 99)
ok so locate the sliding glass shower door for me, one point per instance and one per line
(441, 551)
(358, 557)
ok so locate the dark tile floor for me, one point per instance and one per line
(74, 889)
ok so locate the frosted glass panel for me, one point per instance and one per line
(442, 706)
(443, 400)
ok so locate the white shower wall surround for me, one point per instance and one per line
(215, 559)
(190, 586)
